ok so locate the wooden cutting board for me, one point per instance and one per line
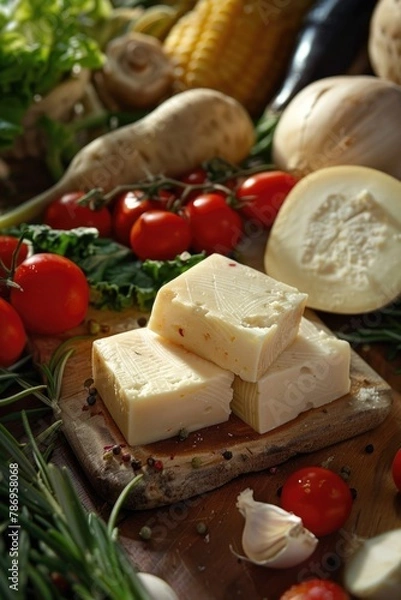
(174, 470)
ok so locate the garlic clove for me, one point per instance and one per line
(374, 570)
(157, 587)
(273, 537)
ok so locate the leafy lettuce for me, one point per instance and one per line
(41, 42)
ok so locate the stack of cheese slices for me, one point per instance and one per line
(222, 337)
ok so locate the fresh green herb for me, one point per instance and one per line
(42, 42)
(64, 551)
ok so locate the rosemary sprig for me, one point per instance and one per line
(64, 551)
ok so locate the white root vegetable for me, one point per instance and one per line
(182, 132)
(337, 238)
(346, 120)
(384, 44)
(157, 587)
(374, 570)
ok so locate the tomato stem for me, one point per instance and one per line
(221, 170)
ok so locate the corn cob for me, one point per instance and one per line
(240, 47)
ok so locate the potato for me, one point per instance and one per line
(181, 133)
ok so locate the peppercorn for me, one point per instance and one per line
(227, 454)
(141, 321)
(183, 434)
(196, 462)
(369, 448)
(136, 464)
(201, 528)
(145, 532)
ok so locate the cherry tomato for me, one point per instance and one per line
(263, 194)
(396, 469)
(67, 213)
(163, 199)
(320, 497)
(215, 226)
(54, 294)
(127, 209)
(315, 589)
(12, 334)
(8, 246)
(195, 177)
(160, 235)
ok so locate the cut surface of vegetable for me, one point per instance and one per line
(337, 238)
(344, 120)
(374, 570)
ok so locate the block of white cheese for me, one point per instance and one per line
(230, 314)
(153, 388)
(314, 370)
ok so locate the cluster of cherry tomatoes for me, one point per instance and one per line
(49, 294)
(170, 221)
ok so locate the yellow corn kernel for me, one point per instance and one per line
(240, 47)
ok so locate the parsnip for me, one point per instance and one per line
(181, 133)
(337, 238)
(345, 120)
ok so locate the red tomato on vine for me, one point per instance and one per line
(215, 226)
(67, 213)
(160, 235)
(263, 194)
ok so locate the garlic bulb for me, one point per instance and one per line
(346, 120)
(273, 537)
(374, 570)
(384, 45)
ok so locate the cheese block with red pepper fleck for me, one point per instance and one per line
(229, 313)
(314, 370)
(153, 388)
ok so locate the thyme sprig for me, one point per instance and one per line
(64, 551)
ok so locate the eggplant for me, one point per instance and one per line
(329, 41)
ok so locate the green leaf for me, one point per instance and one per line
(73, 511)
